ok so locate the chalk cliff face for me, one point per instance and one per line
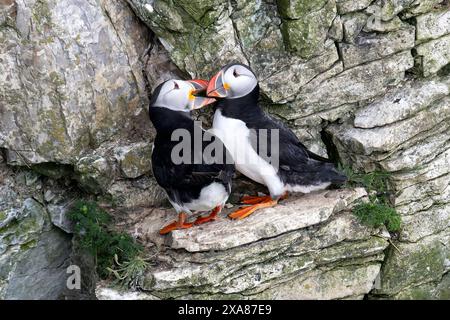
(364, 81)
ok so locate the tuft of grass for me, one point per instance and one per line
(129, 272)
(378, 214)
(378, 211)
(372, 181)
(109, 247)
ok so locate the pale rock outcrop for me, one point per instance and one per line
(366, 82)
(279, 253)
(34, 254)
(407, 137)
(69, 78)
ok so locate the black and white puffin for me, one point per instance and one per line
(194, 185)
(237, 112)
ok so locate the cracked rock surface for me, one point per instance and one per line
(308, 247)
(366, 82)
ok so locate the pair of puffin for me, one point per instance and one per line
(205, 186)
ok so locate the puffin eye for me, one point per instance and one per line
(176, 86)
(235, 74)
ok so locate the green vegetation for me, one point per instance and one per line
(376, 181)
(116, 253)
(378, 214)
(378, 211)
(129, 272)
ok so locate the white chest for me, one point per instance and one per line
(236, 137)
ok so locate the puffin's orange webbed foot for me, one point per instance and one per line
(245, 212)
(180, 224)
(212, 216)
(254, 199)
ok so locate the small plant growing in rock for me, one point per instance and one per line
(377, 211)
(378, 214)
(129, 272)
(116, 253)
(375, 181)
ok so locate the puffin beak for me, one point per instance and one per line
(216, 87)
(200, 86)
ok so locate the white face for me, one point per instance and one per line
(233, 82)
(176, 95)
(180, 95)
(241, 81)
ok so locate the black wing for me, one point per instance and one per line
(297, 164)
(184, 182)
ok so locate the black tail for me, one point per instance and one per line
(332, 175)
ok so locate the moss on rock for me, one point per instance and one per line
(306, 34)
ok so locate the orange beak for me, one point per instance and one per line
(216, 86)
(200, 86)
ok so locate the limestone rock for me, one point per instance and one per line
(265, 224)
(346, 6)
(362, 83)
(305, 31)
(369, 47)
(422, 6)
(430, 221)
(353, 25)
(420, 263)
(356, 80)
(401, 104)
(141, 192)
(94, 173)
(434, 55)
(58, 216)
(33, 254)
(433, 25)
(296, 9)
(388, 9)
(70, 79)
(41, 272)
(386, 138)
(8, 11)
(428, 291)
(384, 26)
(135, 159)
(418, 197)
(22, 226)
(103, 292)
(336, 31)
(327, 245)
(188, 18)
(284, 84)
(159, 67)
(337, 283)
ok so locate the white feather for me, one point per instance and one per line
(210, 197)
(307, 189)
(236, 137)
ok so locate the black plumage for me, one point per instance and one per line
(184, 182)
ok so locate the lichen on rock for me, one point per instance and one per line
(365, 83)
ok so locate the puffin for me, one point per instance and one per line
(197, 183)
(239, 121)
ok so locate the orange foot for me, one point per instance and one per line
(245, 212)
(253, 199)
(180, 224)
(212, 216)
